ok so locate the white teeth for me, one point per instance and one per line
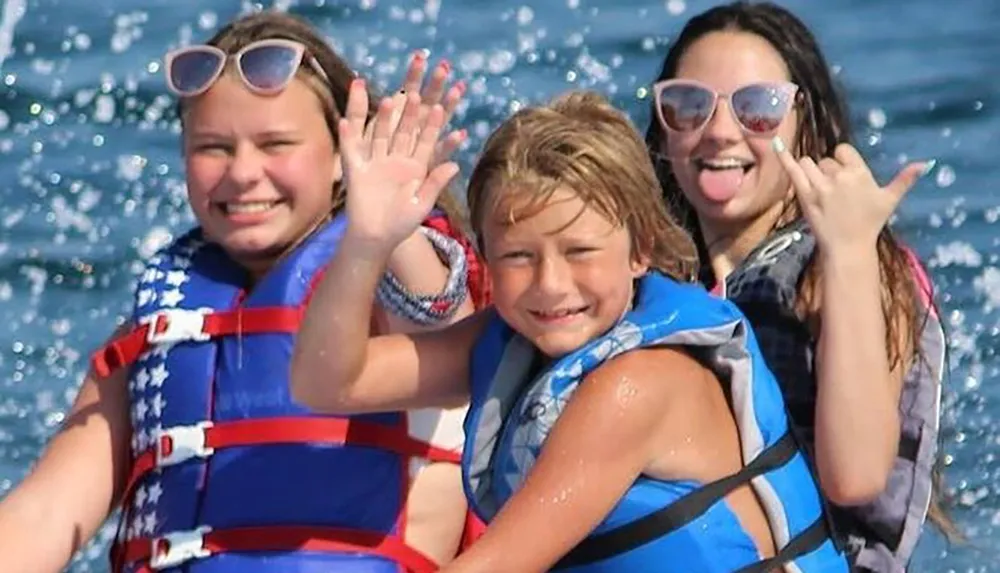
(558, 313)
(255, 207)
(723, 163)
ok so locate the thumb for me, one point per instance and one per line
(907, 177)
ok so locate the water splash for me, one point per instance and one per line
(13, 11)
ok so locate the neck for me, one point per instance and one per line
(729, 243)
(257, 268)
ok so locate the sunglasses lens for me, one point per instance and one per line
(761, 108)
(191, 71)
(269, 68)
(686, 108)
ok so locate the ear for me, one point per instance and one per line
(639, 266)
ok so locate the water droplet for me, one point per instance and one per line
(945, 176)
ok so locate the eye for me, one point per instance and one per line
(276, 144)
(212, 147)
(580, 250)
(515, 255)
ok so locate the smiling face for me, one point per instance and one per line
(260, 169)
(562, 274)
(729, 176)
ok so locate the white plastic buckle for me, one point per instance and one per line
(175, 548)
(176, 325)
(181, 443)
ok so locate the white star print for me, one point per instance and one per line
(158, 375)
(158, 404)
(171, 297)
(149, 523)
(140, 410)
(176, 278)
(140, 497)
(141, 379)
(146, 296)
(155, 491)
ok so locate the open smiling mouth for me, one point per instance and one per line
(558, 314)
(247, 208)
(723, 164)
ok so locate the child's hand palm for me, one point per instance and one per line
(390, 189)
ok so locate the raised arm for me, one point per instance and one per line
(336, 366)
(429, 265)
(857, 403)
(75, 485)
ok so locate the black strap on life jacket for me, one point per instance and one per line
(678, 514)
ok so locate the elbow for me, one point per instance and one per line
(861, 488)
(301, 380)
(318, 385)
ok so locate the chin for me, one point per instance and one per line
(557, 345)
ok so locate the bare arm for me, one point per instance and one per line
(75, 485)
(335, 366)
(416, 264)
(338, 368)
(857, 418)
(854, 457)
(583, 471)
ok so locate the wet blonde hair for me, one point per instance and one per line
(579, 141)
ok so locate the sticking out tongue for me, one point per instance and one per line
(720, 185)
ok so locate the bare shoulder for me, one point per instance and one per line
(661, 369)
(645, 384)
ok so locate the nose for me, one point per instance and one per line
(722, 127)
(246, 168)
(553, 277)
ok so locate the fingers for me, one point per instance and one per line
(428, 138)
(351, 127)
(351, 143)
(829, 166)
(415, 73)
(849, 156)
(907, 178)
(818, 182)
(435, 88)
(452, 99)
(402, 139)
(800, 181)
(448, 146)
(357, 105)
(382, 129)
(434, 183)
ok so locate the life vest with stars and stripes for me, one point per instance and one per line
(228, 472)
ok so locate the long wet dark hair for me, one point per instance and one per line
(824, 123)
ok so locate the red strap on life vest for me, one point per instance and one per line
(474, 529)
(175, 445)
(178, 444)
(174, 549)
(178, 325)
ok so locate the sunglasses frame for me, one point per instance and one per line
(787, 90)
(223, 58)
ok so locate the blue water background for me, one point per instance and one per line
(90, 175)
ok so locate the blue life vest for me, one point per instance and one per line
(658, 525)
(882, 535)
(229, 474)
